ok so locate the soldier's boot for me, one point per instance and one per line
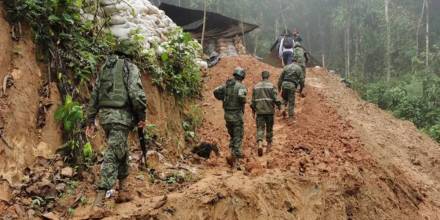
(124, 192)
(238, 165)
(269, 146)
(260, 148)
(231, 160)
(99, 200)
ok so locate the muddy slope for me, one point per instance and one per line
(322, 167)
(19, 107)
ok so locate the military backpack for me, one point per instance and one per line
(112, 91)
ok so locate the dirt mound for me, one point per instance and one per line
(341, 159)
(321, 166)
(24, 140)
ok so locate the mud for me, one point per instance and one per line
(321, 167)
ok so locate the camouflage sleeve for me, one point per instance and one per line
(136, 93)
(219, 92)
(93, 107)
(275, 98)
(253, 103)
(280, 80)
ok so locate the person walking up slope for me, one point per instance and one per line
(290, 79)
(233, 95)
(264, 100)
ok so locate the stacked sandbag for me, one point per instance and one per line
(238, 42)
(130, 17)
(226, 47)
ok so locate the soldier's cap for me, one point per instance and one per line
(265, 74)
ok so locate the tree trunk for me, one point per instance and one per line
(204, 22)
(427, 36)
(348, 41)
(419, 25)
(388, 43)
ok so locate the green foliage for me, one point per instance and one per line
(172, 64)
(88, 151)
(412, 97)
(193, 120)
(70, 114)
(65, 36)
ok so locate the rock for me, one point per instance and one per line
(60, 187)
(67, 172)
(5, 191)
(51, 216)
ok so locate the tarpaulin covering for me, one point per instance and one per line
(217, 25)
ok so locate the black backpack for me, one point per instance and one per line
(288, 43)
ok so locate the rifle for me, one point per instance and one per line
(144, 145)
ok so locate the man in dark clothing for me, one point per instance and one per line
(264, 100)
(285, 44)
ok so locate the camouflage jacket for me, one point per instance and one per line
(299, 55)
(233, 94)
(292, 73)
(128, 115)
(264, 98)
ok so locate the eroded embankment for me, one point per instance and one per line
(322, 166)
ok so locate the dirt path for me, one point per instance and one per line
(342, 159)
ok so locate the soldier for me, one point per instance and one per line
(119, 101)
(291, 77)
(264, 100)
(301, 58)
(233, 94)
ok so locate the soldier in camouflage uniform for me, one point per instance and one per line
(119, 101)
(264, 100)
(301, 58)
(291, 77)
(233, 94)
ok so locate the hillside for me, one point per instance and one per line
(342, 159)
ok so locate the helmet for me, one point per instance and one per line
(265, 74)
(239, 72)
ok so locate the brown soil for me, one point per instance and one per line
(342, 159)
(19, 107)
(324, 166)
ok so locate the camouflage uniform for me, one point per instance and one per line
(264, 100)
(291, 77)
(120, 103)
(234, 100)
(301, 58)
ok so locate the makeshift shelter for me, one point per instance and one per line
(222, 34)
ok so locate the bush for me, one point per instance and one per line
(172, 64)
(411, 97)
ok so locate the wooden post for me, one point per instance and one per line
(204, 22)
(323, 60)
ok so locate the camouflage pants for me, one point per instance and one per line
(234, 124)
(265, 124)
(115, 164)
(302, 83)
(288, 93)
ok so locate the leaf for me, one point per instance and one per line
(88, 150)
(164, 57)
(53, 19)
